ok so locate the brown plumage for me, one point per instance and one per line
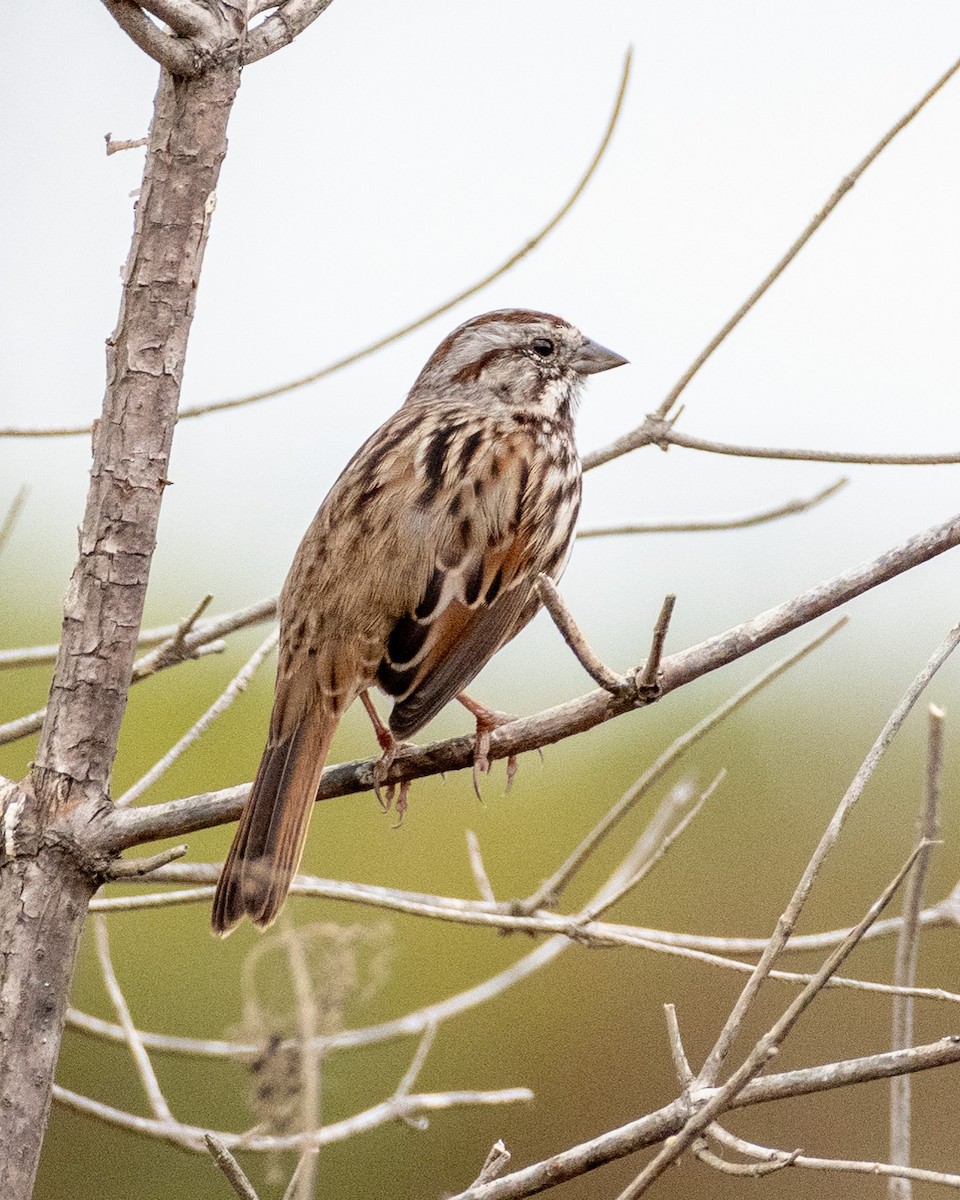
(420, 563)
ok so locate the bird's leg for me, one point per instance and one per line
(389, 745)
(487, 720)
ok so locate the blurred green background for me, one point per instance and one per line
(586, 1033)
(386, 159)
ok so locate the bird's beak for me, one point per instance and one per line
(592, 357)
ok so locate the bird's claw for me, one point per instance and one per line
(487, 720)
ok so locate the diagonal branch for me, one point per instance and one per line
(788, 919)
(171, 52)
(908, 947)
(120, 830)
(279, 29)
(767, 1046)
(185, 17)
(631, 441)
(712, 524)
(657, 1126)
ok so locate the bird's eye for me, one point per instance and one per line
(542, 346)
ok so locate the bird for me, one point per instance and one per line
(421, 562)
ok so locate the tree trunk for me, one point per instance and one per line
(49, 867)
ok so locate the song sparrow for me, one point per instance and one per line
(419, 565)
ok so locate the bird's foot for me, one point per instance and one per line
(487, 720)
(395, 795)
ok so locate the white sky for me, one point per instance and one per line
(398, 151)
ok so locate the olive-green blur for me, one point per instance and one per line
(587, 1032)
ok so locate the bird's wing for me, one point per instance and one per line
(488, 552)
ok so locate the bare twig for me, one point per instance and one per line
(638, 437)
(148, 1077)
(795, 1158)
(764, 1050)
(405, 1086)
(664, 435)
(744, 1170)
(940, 916)
(279, 30)
(550, 889)
(572, 635)
(648, 678)
(665, 1122)
(908, 945)
(234, 688)
(185, 17)
(567, 930)
(191, 1137)
(119, 829)
(494, 1164)
(685, 1076)
(114, 147)
(347, 360)
(235, 1174)
(214, 628)
(482, 880)
(183, 643)
(138, 868)
(309, 1060)
(710, 524)
(176, 54)
(788, 919)
(13, 515)
(633, 878)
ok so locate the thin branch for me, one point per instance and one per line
(657, 1126)
(788, 919)
(573, 636)
(667, 435)
(501, 917)
(215, 627)
(279, 30)
(794, 1158)
(552, 887)
(631, 441)
(685, 1076)
(309, 1061)
(711, 524)
(185, 17)
(114, 147)
(235, 1174)
(177, 55)
(148, 1077)
(494, 1164)
(634, 878)
(764, 1050)
(116, 830)
(405, 1086)
(939, 916)
(745, 1170)
(138, 868)
(13, 515)
(908, 945)
(183, 644)
(381, 343)
(234, 688)
(648, 679)
(191, 1137)
(480, 876)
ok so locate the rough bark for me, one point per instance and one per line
(46, 876)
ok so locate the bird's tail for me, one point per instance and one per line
(269, 840)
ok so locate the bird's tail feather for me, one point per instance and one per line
(269, 840)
